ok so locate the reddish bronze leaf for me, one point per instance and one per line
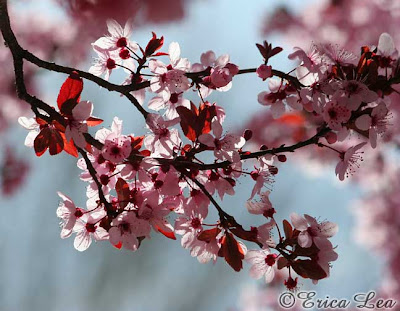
(246, 235)
(92, 121)
(69, 146)
(70, 93)
(282, 263)
(41, 142)
(123, 192)
(153, 45)
(56, 142)
(232, 252)
(169, 234)
(288, 229)
(308, 269)
(208, 235)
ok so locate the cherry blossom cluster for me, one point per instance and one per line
(350, 24)
(52, 39)
(160, 181)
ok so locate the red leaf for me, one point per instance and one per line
(92, 121)
(195, 122)
(119, 245)
(206, 113)
(41, 121)
(153, 45)
(41, 142)
(145, 153)
(188, 121)
(308, 269)
(56, 143)
(70, 93)
(123, 192)
(160, 54)
(288, 229)
(232, 252)
(168, 234)
(245, 235)
(282, 263)
(275, 51)
(136, 143)
(69, 146)
(209, 235)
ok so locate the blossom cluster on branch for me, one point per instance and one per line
(160, 181)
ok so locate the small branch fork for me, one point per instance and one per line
(19, 55)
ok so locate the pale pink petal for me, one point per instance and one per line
(363, 122)
(82, 240)
(304, 239)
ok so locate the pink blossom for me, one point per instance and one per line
(262, 263)
(264, 72)
(31, 125)
(221, 76)
(263, 207)
(355, 92)
(335, 114)
(154, 212)
(171, 78)
(225, 148)
(387, 48)
(376, 123)
(104, 63)
(116, 148)
(69, 213)
(126, 229)
(310, 60)
(264, 235)
(275, 98)
(262, 176)
(189, 228)
(216, 182)
(313, 231)
(118, 38)
(169, 102)
(162, 141)
(349, 161)
(209, 59)
(77, 126)
(87, 227)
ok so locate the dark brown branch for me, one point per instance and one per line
(93, 173)
(292, 148)
(19, 54)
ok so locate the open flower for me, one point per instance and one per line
(349, 161)
(68, 213)
(118, 38)
(313, 231)
(225, 148)
(262, 262)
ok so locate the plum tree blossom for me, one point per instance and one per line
(262, 262)
(164, 181)
(349, 161)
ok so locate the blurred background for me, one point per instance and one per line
(39, 271)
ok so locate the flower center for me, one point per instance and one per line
(122, 42)
(270, 260)
(78, 213)
(196, 223)
(110, 64)
(90, 227)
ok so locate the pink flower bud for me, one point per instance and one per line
(264, 72)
